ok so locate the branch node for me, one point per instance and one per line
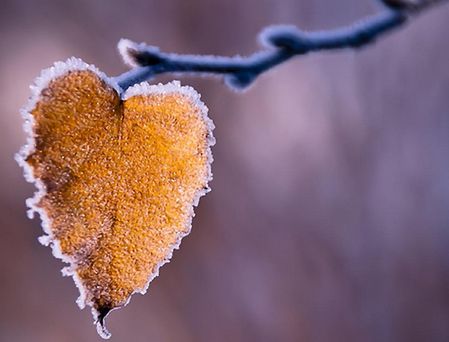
(286, 37)
(240, 80)
(410, 6)
(134, 54)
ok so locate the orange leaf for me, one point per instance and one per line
(117, 177)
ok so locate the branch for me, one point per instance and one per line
(282, 42)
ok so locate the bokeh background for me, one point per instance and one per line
(329, 215)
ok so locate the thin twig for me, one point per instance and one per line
(282, 42)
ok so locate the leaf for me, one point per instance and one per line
(117, 177)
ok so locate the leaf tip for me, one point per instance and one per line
(100, 323)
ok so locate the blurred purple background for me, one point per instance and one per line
(329, 215)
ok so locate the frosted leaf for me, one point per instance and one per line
(117, 175)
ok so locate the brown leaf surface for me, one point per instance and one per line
(118, 179)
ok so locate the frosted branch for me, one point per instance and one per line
(282, 43)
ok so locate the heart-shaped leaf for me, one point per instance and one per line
(117, 175)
